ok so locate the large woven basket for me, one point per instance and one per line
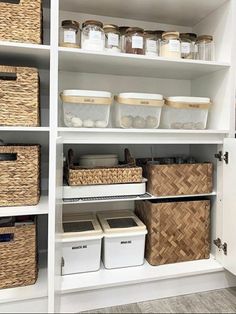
(20, 175)
(19, 96)
(18, 258)
(125, 173)
(183, 179)
(22, 21)
(177, 231)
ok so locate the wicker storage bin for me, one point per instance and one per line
(177, 231)
(21, 22)
(19, 96)
(179, 179)
(19, 175)
(125, 173)
(18, 258)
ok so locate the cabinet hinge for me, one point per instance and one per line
(62, 264)
(222, 157)
(220, 245)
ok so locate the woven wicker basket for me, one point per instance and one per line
(177, 231)
(18, 258)
(19, 96)
(185, 179)
(21, 22)
(126, 173)
(20, 175)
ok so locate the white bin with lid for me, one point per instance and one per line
(124, 239)
(185, 113)
(82, 239)
(138, 110)
(86, 108)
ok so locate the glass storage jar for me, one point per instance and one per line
(122, 30)
(134, 40)
(70, 34)
(159, 39)
(205, 48)
(188, 41)
(151, 43)
(93, 37)
(170, 45)
(112, 37)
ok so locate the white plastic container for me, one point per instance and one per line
(185, 113)
(82, 240)
(138, 110)
(91, 161)
(124, 239)
(86, 108)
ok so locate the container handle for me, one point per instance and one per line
(8, 157)
(8, 73)
(6, 238)
(10, 1)
(128, 158)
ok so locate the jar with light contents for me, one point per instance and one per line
(151, 46)
(170, 45)
(135, 41)
(93, 36)
(112, 38)
(205, 48)
(70, 34)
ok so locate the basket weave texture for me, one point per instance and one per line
(19, 99)
(20, 178)
(18, 258)
(177, 231)
(185, 179)
(21, 22)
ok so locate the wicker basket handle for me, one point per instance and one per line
(8, 69)
(11, 1)
(70, 160)
(129, 159)
(8, 73)
(7, 231)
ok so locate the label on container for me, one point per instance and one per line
(137, 42)
(113, 39)
(151, 45)
(185, 48)
(69, 37)
(95, 35)
(174, 45)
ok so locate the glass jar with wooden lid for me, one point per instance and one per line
(151, 43)
(122, 30)
(112, 38)
(205, 48)
(188, 41)
(93, 37)
(170, 45)
(70, 34)
(135, 41)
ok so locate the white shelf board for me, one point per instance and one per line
(40, 209)
(24, 129)
(125, 276)
(179, 12)
(140, 136)
(127, 198)
(25, 54)
(78, 60)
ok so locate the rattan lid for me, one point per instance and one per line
(92, 22)
(70, 24)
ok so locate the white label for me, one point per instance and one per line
(95, 35)
(185, 48)
(113, 39)
(174, 45)
(151, 45)
(137, 42)
(69, 37)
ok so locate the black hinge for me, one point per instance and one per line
(220, 245)
(62, 264)
(220, 156)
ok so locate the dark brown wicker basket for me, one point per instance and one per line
(19, 175)
(18, 258)
(177, 231)
(21, 22)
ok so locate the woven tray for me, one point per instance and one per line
(183, 179)
(18, 258)
(126, 173)
(177, 231)
(20, 178)
(21, 22)
(19, 96)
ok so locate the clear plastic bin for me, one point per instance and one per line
(86, 109)
(82, 239)
(185, 113)
(124, 239)
(138, 110)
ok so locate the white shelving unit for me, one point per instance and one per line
(65, 68)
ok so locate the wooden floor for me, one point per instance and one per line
(218, 301)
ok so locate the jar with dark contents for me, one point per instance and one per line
(134, 41)
(122, 30)
(188, 42)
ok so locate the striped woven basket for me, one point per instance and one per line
(19, 175)
(21, 21)
(19, 96)
(18, 258)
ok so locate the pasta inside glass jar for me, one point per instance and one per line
(93, 37)
(112, 37)
(170, 45)
(70, 34)
(134, 40)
